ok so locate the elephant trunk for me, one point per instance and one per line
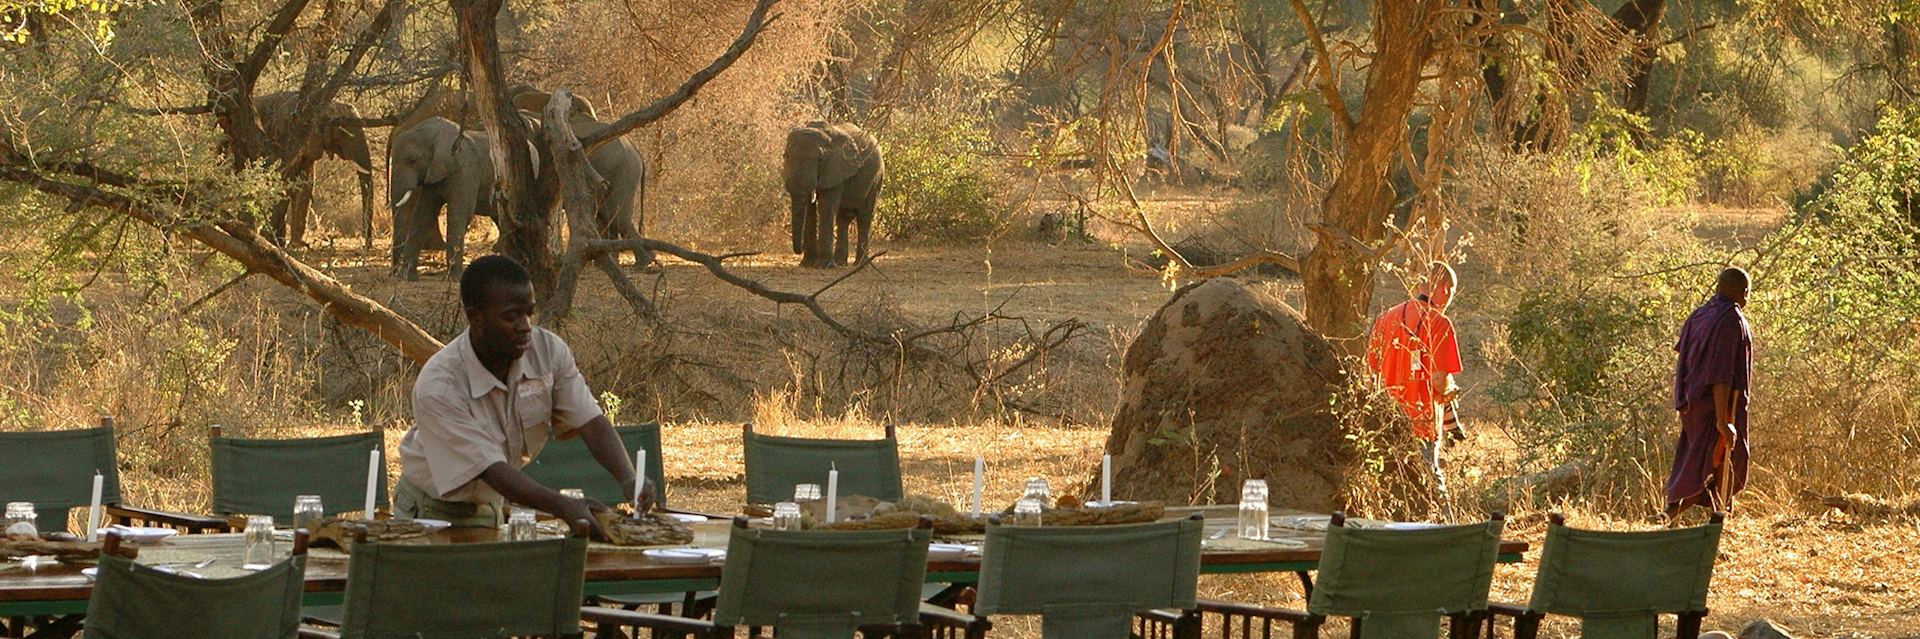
(801, 234)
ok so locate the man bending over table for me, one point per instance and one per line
(486, 404)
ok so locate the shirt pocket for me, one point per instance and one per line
(533, 405)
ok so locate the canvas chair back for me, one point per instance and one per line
(775, 464)
(1087, 581)
(131, 601)
(1618, 583)
(54, 470)
(262, 476)
(568, 464)
(1398, 583)
(508, 589)
(822, 584)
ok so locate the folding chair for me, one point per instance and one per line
(568, 464)
(132, 601)
(54, 470)
(1088, 582)
(1618, 583)
(816, 584)
(1393, 584)
(775, 464)
(502, 589)
(250, 476)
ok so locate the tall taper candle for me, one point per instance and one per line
(833, 490)
(639, 476)
(1106, 480)
(979, 482)
(373, 480)
(93, 511)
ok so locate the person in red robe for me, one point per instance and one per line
(1710, 391)
(1414, 351)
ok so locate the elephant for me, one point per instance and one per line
(289, 222)
(437, 164)
(833, 174)
(623, 215)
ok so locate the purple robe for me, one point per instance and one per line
(1715, 348)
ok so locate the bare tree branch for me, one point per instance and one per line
(1329, 82)
(757, 22)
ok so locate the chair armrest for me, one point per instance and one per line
(630, 619)
(193, 523)
(1235, 609)
(311, 633)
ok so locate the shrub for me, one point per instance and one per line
(938, 184)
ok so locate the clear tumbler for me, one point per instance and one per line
(1253, 510)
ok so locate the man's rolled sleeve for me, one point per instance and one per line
(455, 443)
(573, 403)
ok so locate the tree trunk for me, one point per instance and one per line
(1338, 273)
(524, 211)
(1641, 18)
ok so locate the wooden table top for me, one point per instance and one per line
(1294, 549)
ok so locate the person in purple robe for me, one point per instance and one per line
(1710, 390)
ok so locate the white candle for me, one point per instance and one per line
(639, 476)
(1106, 480)
(373, 475)
(833, 490)
(979, 482)
(93, 512)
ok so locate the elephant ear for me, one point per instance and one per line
(842, 156)
(529, 99)
(443, 161)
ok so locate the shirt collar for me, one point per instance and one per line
(481, 381)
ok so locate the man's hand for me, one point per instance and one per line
(645, 501)
(578, 515)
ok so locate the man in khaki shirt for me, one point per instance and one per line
(487, 403)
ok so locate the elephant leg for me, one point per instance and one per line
(415, 222)
(299, 205)
(840, 244)
(826, 206)
(865, 221)
(366, 206)
(460, 210)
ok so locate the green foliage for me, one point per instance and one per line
(21, 18)
(1669, 167)
(938, 184)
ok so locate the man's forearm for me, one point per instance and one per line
(1723, 396)
(518, 488)
(604, 442)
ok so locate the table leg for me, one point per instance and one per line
(61, 628)
(1306, 584)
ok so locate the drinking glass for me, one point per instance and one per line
(804, 493)
(1026, 512)
(306, 510)
(1037, 488)
(22, 521)
(573, 493)
(520, 526)
(1253, 510)
(259, 535)
(786, 516)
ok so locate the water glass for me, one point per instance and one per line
(22, 521)
(804, 493)
(1037, 488)
(260, 551)
(306, 510)
(786, 516)
(573, 493)
(1026, 512)
(520, 526)
(1253, 510)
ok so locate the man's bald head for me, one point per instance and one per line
(1733, 285)
(1439, 284)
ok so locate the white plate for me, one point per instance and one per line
(92, 572)
(951, 552)
(1303, 522)
(685, 555)
(1109, 504)
(686, 518)
(138, 534)
(433, 524)
(1409, 525)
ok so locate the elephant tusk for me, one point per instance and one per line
(403, 199)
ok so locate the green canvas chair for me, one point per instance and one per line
(568, 464)
(503, 589)
(816, 584)
(132, 601)
(250, 476)
(1087, 582)
(1394, 584)
(776, 464)
(54, 470)
(1618, 583)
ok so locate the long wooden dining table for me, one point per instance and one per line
(60, 588)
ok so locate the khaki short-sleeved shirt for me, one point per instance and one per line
(465, 419)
